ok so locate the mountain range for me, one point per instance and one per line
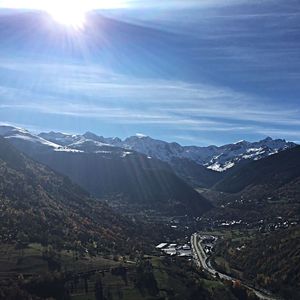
(125, 178)
(217, 158)
(144, 174)
(198, 166)
(212, 157)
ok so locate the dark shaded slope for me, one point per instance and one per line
(37, 205)
(134, 178)
(195, 174)
(274, 171)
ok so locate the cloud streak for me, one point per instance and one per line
(77, 92)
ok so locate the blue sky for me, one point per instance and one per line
(195, 72)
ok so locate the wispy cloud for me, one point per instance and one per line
(78, 92)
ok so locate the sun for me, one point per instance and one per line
(73, 13)
(71, 19)
(68, 13)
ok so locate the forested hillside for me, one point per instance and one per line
(269, 260)
(38, 205)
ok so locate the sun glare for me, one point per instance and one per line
(67, 13)
(73, 13)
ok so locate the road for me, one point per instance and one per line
(202, 261)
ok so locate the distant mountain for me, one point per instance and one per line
(127, 178)
(24, 139)
(199, 166)
(75, 140)
(38, 205)
(272, 172)
(212, 157)
(263, 193)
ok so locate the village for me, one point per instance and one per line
(185, 250)
(173, 249)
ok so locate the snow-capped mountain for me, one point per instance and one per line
(31, 143)
(20, 135)
(216, 158)
(88, 142)
(232, 154)
(212, 157)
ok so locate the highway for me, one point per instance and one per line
(202, 261)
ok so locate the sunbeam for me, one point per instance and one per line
(65, 14)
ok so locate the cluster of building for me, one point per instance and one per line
(278, 223)
(208, 243)
(175, 249)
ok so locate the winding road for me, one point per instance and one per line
(202, 261)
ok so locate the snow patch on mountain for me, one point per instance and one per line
(217, 158)
(15, 133)
(221, 168)
(68, 150)
(140, 135)
(213, 157)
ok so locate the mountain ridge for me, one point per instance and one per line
(126, 177)
(200, 167)
(217, 158)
